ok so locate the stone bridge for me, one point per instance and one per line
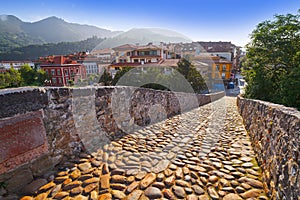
(133, 143)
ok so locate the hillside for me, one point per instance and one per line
(16, 33)
(23, 40)
(144, 36)
(32, 52)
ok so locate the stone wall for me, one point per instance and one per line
(275, 133)
(43, 127)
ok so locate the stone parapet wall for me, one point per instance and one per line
(57, 124)
(275, 133)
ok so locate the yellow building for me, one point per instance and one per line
(213, 67)
(221, 69)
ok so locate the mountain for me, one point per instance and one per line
(26, 40)
(33, 52)
(10, 23)
(16, 33)
(65, 32)
(144, 36)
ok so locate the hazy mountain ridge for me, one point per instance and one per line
(144, 36)
(16, 33)
(16, 36)
(65, 31)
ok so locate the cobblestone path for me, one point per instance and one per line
(202, 154)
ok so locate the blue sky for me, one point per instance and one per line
(200, 20)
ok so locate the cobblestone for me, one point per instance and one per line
(202, 154)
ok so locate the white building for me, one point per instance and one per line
(15, 64)
(103, 55)
(91, 67)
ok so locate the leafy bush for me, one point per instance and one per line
(272, 66)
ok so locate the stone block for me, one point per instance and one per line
(22, 138)
(18, 180)
(275, 139)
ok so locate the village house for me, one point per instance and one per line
(215, 69)
(62, 70)
(129, 55)
(104, 56)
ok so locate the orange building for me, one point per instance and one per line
(213, 67)
(221, 69)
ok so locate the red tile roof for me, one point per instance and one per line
(169, 63)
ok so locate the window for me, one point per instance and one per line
(54, 80)
(66, 72)
(224, 68)
(128, 53)
(59, 81)
(136, 60)
(218, 67)
(223, 75)
(52, 72)
(58, 71)
(153, 52)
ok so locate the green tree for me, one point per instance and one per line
(93, 78)
(32, 77)
(41, 76)
(14, 78)
(119, 74)
(71, 82)
(273, 61)
(28, 75)
(4, 80)
(194, 77)
(106, 78)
